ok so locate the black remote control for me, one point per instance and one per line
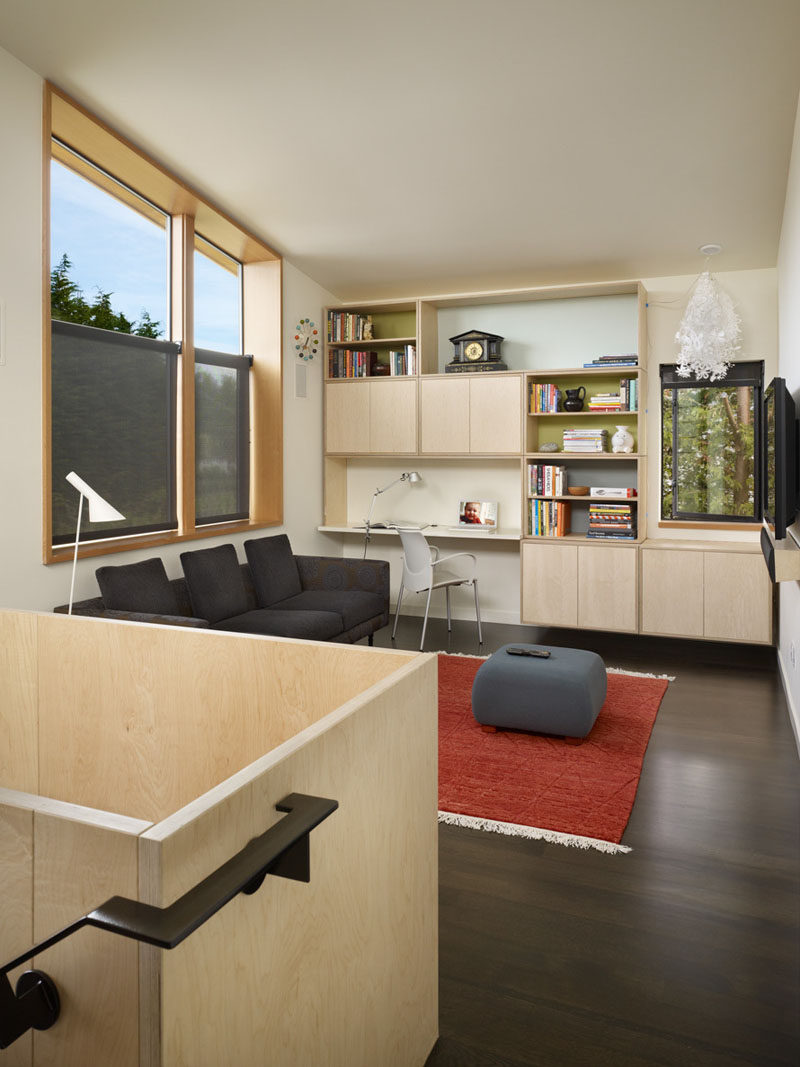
(537, 653)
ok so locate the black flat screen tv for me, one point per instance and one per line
(780, 460)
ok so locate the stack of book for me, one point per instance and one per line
(546, 480)
(543, 399)
(548, 518)
(629, 359)
(346, 326)
(625, 400)
(403, 360)
(606, 402)
(585, 440)
(342, 363)
(612, 522)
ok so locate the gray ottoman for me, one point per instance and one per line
(560, 695)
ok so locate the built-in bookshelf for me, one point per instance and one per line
(579, 445)
(373, 341)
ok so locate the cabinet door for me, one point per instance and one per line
(495, 414)
(607, 587)
(672, 592)
(738, 597)
(393, 416)
(550, 584)
(347, 417)
(444, 415)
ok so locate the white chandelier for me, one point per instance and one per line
(710, 331)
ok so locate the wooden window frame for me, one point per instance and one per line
(262, 274)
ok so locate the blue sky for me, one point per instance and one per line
(115, 249)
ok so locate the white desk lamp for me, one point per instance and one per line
(99, 511)
(408, 476)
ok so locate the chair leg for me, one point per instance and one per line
(447, 598)
(425, 620)
(397, 610)
(478, 611)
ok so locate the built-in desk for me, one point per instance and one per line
(502, 534)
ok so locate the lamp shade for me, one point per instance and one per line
(99, 509)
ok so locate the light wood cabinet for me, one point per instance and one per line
(672, 592)
(550, 584)
(444, 415)
(478, 414)
(737, 600)
(371, 416)
(393, 416)
(608, 587)
(565, 583)
(495, 420)
(717, 591)
(347, 417)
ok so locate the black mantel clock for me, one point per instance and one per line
(476, 351)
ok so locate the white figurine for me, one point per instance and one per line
(622, 441)
(367, 329)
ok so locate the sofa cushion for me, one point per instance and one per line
(305, 625)
(215, 583)
(273, 567)
(352, 605)
(138, 587)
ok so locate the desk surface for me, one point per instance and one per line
(430, 532)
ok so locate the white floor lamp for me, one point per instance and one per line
(99, 511)
(407, 476)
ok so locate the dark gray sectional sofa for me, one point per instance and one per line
(321, 598)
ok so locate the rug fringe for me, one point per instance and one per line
(462, 655)
(511, 829)
(640, 674)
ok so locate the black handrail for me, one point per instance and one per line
(282, 850)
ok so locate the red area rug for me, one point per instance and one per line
(536, 786)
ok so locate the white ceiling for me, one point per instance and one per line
(432, 146)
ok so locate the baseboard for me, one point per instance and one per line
(509, 618)
(794, 715)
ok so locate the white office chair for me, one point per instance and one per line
(423, 570)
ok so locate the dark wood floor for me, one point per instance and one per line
(683, 952)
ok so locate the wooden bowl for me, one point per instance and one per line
(578, 490)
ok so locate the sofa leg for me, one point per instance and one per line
(371, 639)
(488, 729)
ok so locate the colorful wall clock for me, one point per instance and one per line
(306, 339)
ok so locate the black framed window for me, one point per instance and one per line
(710, 440)
(222, 436)
(114, 422)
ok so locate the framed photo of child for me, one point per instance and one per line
(478, 513)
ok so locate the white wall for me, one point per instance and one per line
(789, 368)
(754, 294)
(25, 582)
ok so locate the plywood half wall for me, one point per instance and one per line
(137, 759)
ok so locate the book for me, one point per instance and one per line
(611, 491)
(613, 363)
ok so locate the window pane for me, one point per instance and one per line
(222, 437)
(715, 448)
(217, 299)
(109, 254)
(113, 423)
(666, 453)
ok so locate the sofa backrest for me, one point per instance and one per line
(95, 605)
